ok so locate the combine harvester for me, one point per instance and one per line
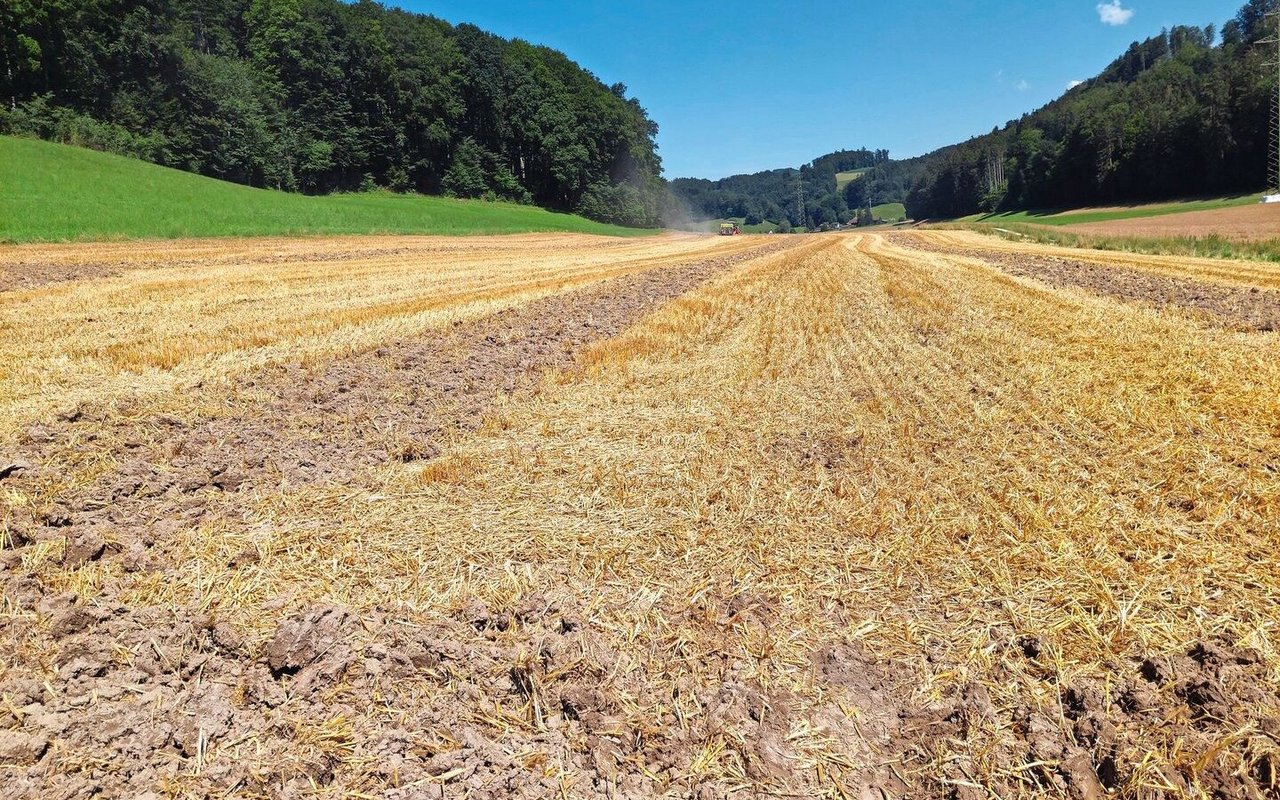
(730, 229)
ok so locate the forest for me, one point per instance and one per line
(1181, 114)
(321, 96)
(798, 197)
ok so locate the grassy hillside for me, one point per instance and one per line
(889, 212)
(1081, 216)
(52, 192)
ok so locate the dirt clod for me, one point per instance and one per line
(82, 547)
(9, 467)
(73, 620)
(307, 640)
(21, 749)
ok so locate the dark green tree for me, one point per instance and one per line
(325, 95)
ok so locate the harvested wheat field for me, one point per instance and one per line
(1256, 222)
(923, 515)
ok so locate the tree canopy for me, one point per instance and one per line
(320, 96)
(1181, 114)
(804, 197)
(1184, 113)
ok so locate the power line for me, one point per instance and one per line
(804, 219)
(1273, 155)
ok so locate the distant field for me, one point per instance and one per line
(1087, 215)
(1236, 228)
(845, 178)
(53, 192)
(713, 226)
(889, 212)
(1254, 222)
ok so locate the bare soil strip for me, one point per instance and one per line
(1247, 308)
(164, 328)
(1219, 271)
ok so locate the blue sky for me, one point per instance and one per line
(745, 86)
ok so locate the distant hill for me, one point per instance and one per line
(1181, 114)
(55, 192)
(777, 195)
(318, 96)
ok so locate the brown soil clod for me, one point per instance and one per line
(12, 468)
(314, 649)
(21, 749)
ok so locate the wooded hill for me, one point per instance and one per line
(802, 197)
(1182, 114)
(320, 96)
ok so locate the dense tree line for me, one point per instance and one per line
(799, 197)
(321, 95)
(1181, 114)
(887, 182)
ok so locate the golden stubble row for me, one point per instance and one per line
(851, 441)
(1226, 272)
(197, 312)
(860, 442)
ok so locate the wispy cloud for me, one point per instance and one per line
(1074, 84)
(1023, 85)
(1114, 14)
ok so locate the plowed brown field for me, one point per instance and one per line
(1254, 222)
(912, 515)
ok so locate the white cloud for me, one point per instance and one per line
(1023, 85)
(1073, 84)
(1114, 14)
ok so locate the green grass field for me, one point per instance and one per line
(53, 192)
(889, 212)
(1081, 216)
(843, 179)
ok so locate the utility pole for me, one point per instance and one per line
(804, 219)
(1273, 155)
